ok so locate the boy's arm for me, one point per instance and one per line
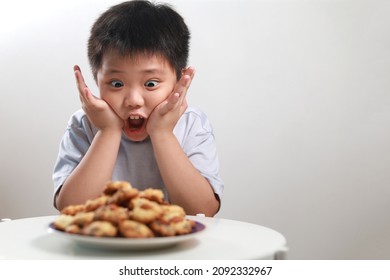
(95, 169)
(185, 185)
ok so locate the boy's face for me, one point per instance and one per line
(133, 87)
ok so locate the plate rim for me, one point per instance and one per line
(128, 243)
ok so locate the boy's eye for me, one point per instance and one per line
(151, 83)
(117, 84)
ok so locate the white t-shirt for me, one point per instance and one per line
(136, 162)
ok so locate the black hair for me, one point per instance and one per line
(136, 27)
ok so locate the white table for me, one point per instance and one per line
(223, 239)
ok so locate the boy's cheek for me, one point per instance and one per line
(111, 103)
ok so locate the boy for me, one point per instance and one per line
(140, 129)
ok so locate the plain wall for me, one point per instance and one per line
(297, 92)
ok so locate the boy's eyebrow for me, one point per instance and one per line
(114, 71)
(152, 70)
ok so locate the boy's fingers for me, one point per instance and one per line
(183, 106)
(185, 82)
(79, 77)
(170, 103)
(85, 94)
(190, 71)
(178, 97)
(88, 96)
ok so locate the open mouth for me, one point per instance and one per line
(135, 122)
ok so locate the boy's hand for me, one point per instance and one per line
(165, 116)
(98, 111)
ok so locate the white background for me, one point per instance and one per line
(297, 92)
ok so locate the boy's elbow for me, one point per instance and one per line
(58, 203)
(210, 208)
(214, 208)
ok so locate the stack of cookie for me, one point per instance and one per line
(124, 211)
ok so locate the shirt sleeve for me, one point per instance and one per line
(74, 145)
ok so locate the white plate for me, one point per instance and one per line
(121, 243)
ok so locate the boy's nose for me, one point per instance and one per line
(134, 99)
